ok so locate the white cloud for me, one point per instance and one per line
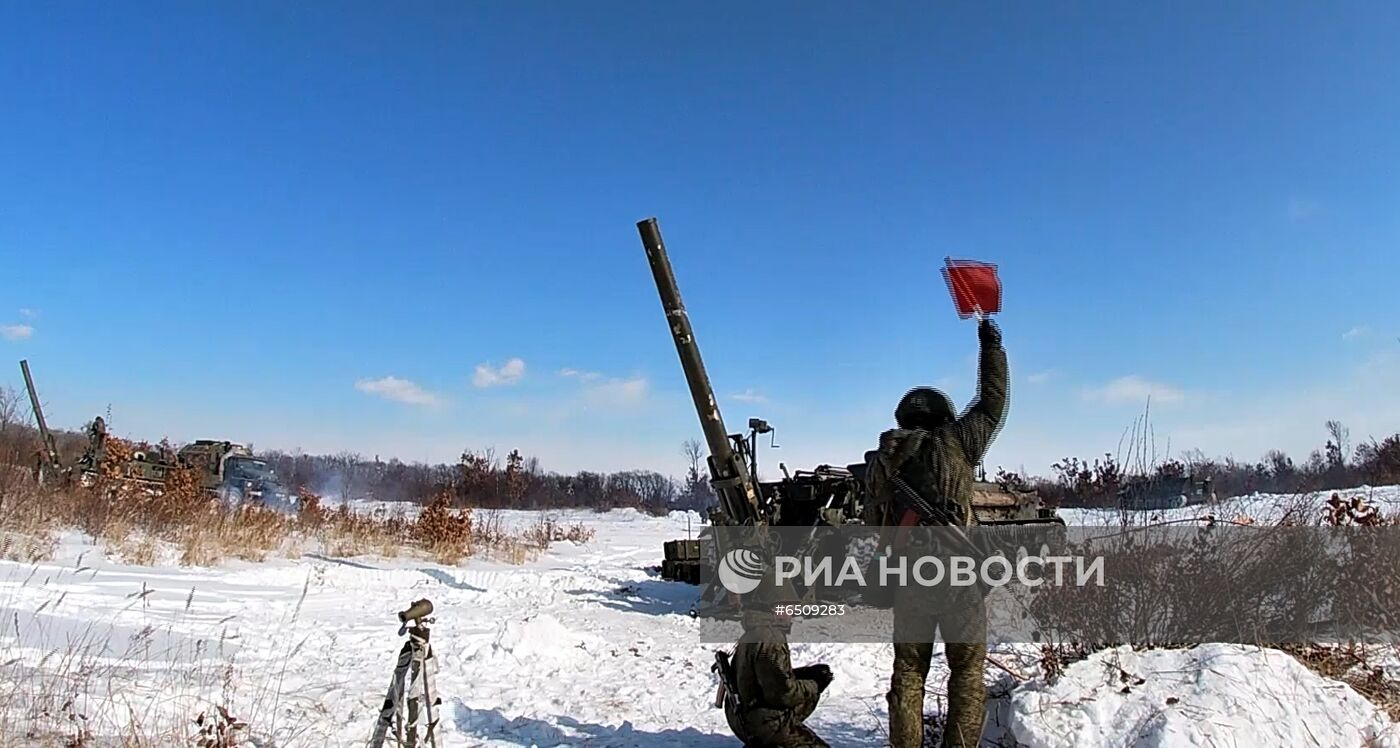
(1134, 389)
(582, 376)
(509, 373)
(1040, 377)
(1360, 331)
(750, 396)
(28, 313)
(16, 332)
(398, 390)
(617, 392)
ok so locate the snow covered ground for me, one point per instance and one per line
(1212, 694)
(1264, 508)
(583, 646)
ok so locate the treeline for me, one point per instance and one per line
(478, 478)
(483, 479)
(1337, 465)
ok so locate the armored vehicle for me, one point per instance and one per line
(148, 468)
(1157, 493)
(230, 471)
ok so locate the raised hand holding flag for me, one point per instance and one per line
(974, 286)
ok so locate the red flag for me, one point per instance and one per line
(974, 286)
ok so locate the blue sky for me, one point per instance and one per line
(237, 220)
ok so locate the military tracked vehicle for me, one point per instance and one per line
(226, 470)
(825, 496)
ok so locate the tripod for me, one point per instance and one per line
(409, 705)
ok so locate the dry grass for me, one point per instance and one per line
(26, 545)
(93, 683)
(182, 521)
(26, 532)
(1357, 666)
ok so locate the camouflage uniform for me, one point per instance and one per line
(775, 701)
(936, 455)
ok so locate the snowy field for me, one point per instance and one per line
(582, 646)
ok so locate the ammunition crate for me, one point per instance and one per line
(682, 561)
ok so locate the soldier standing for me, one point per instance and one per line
(774, 699)
(934, 453)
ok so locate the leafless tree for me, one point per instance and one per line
(12, 441)
(1340, 438)
(9, 414)
(695, 457)
(348, 466)
(696, 492)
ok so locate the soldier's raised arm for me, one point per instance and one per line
(773, 668)
(978, 426)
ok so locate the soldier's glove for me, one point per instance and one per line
(819, 673)
(988, 332)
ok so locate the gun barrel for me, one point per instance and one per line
(49, 449)
(417, 610)
(716, 436)
(728, 473)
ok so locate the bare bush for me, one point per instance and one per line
(548, 529)
(446, 533)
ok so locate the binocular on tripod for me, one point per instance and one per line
(410, 707)
(418, 610)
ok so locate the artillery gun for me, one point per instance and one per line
(49, 462)
(825, 496)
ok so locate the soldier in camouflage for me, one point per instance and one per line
(774, 699)
(936, 454)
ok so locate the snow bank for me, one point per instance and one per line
(1213, 694)
(540, 638)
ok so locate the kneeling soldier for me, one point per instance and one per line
(774, 699)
